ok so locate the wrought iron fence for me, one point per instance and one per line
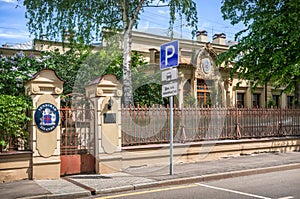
(150, 125)
(77, 125)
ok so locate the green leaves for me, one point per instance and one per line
(109, 61)
(185, 8)
(66, 65)
(85, 19)
(13, 118)
(267, 49)
(17, 69)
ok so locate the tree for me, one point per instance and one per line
(15, 70)
(19, 68)
(268, 48)
(147, 90)
(66, 64)
(85, 19)
(13, 120)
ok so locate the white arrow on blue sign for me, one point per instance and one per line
(169, 55)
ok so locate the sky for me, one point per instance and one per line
(13, 29)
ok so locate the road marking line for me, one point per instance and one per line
(287, 197)
(149, 191)
(232, 191)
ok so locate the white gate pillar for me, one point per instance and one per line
(45, 89)
(106, 92)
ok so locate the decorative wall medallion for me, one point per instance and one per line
(206, 65)
(46, 117)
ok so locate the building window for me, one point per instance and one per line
(276, 100)
(240, 100)
(203, 92)
(187, 88)
(290, 100)
(255, 100)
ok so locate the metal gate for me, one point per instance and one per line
(77, 142)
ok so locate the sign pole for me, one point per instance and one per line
(169, 57)
(171, 135)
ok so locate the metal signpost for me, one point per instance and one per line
(169, 58)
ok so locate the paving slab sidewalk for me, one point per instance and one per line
(144, 176)
(133, 178)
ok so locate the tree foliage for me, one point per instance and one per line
(17, 69)
(13, 119)
(146, 88)
(66, 65)
(84, 21)
(268, 48)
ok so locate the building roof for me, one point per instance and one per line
(21, 46)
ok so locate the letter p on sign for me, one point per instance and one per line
(169, 56)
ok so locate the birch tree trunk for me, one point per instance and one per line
(127, 82)
(128, 22)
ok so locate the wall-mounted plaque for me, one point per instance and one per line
(109, 118)
(46, 117)
(206, 65)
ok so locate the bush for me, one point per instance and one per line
(13, 120)
(15, 70)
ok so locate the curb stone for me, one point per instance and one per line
(146, 185)
(169, 182)
(116, 189)
(59, 196)
(202, 178)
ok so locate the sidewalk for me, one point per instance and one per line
(145, 177)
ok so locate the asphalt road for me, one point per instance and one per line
(279, 185)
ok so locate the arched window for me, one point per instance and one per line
(187, 88)
(203, 92)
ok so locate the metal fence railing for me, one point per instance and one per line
(150, 125)
(76, 125)
(76, 132)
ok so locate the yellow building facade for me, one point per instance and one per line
(199, 77)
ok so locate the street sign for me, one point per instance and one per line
(169, 55)
(169, 75)
(169, 90)
(169, 82)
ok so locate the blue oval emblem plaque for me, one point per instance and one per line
(46, 117)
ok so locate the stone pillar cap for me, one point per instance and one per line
(45, 81)
(106, 85)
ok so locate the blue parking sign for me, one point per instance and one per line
(169, 55)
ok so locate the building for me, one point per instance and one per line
(199, 77)
(36, 46)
